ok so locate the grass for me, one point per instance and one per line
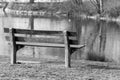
(49, 69)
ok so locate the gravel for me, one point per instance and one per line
(48, 69)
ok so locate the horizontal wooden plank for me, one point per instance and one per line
(41, 44)
(48, 45)
(73, 41)
(45, 40)
(77, 46)
(38, 32)
(72, 33)
(34, 32)
(40, 40)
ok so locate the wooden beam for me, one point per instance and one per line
(34, 32)
(41, 44)
(13, 46)
(56, 45)
(67, 50)
(38, 32)
(39, 40)
(71, 33)
(77, 46)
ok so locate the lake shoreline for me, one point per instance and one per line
(42, 9)
(36, 9)
(33, 13)
(48, 14)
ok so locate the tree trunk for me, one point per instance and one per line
(31, 25)
(101, 6)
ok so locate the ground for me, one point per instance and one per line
(52, 69)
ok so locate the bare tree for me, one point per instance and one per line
(76, 3)
(98, 5)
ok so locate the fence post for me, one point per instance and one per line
(13, 46)
(67, 50)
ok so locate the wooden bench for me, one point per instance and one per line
(43, 38)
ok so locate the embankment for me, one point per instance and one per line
(37, 9)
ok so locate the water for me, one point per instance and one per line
(102, 38)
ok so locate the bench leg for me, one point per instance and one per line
(13, 56)
(67, 58)
(13, 46)
(67, 50)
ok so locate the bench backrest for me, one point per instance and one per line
(41, 36)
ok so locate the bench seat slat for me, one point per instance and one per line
(77, 46)
(47, 45)
(41, 44)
